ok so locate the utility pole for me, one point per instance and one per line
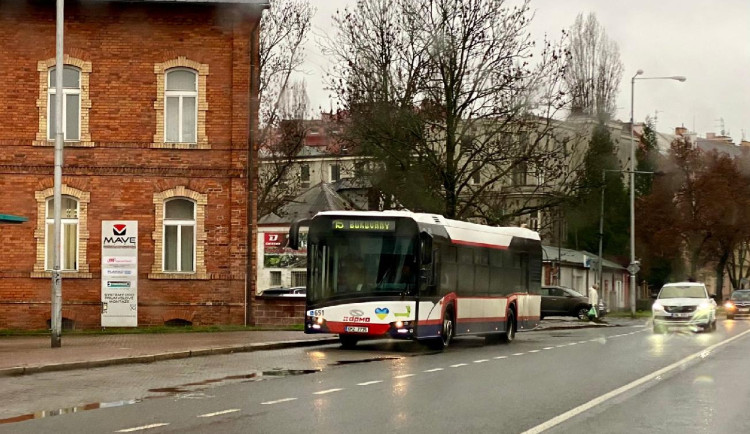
(56, 296)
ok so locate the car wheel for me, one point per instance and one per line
(510, 328)
(583, 313)
(348, 342)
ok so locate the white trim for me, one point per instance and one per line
(51, 110)
(180, 95)
(179, 224)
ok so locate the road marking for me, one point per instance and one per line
(573, 343)
(277, 401)
(481, 361)
(367, 383)
(548, 348)
(518, 354)
(500, 357)
(404, 376)
(560, 346)
(533, 351)
(219, 413)
(459, 365)
(581, 342)
(433, 370)
(632, 385)
(323, 392)
(139, 428)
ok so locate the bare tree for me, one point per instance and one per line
(283, 102)
(594, 69)
(443, 94)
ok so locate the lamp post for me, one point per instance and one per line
(633, 268)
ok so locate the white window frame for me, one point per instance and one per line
(50, 220)
(180, 94)
(179, 224)
(51, 90)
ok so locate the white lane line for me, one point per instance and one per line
(548, 348)
(481, 361)
(323, 392)
(560, 346)
(500, 357)
(632, 385)
(433, 370)
(573, 343)
(278, 401)
(518, 354)
(581, 342)
(593, 340)
(404, 376)
(219, 413)
(458, 365)
(367, 383)
(139, 428)
(534, 351)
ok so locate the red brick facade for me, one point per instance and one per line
(124, 167)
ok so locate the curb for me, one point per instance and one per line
(90, 364)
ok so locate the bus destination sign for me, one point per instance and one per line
(365, 225)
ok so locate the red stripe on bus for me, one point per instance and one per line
(484, 319)
(474, 244)
(372, 329)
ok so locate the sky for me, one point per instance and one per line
(706, 41)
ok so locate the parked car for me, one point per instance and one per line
(738, 304)
(684, 304)
(284, 291)
(562, 301)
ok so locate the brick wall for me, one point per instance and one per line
(278, 311)
(123, 170)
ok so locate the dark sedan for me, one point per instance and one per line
(738, 304)
(562, 301)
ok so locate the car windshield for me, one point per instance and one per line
(574, 293)
(741, 295)
(683, 291)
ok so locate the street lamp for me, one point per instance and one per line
(633, 268)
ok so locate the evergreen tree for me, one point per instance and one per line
(585, 210)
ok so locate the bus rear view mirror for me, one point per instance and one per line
(294, 239)
(425, 248)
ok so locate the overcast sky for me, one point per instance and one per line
(706, 41)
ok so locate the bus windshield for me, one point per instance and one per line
(361, 265)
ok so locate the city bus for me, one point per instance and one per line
(404, 275)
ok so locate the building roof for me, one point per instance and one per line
(318, 198)
(575, 257)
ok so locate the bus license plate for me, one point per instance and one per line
(357, 329)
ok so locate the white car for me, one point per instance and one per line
(684, 304)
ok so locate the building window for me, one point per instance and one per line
(305, 176)
(335, 172)
(275, 278)
(68, 241)
(76, 102)
(520, 172)
(179, 235)
(299, 278)
(74, 231)
(475, 175)
(71, 125)
(181, 104)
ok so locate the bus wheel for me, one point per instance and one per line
(347, 341)
(510, 328)
(447, 334)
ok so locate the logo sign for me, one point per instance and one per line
(274, 239)
(365, 225)
(356, 312)
(119, 281)
(382, 312)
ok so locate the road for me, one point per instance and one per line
(620, 379)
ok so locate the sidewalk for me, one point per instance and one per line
(32, 354)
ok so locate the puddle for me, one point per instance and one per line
(374, 359)
(69, 410)
(188, 388)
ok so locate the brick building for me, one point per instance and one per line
(159, 100)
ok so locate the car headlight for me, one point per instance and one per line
(658, 306)
(729, 305)
(704, 306)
